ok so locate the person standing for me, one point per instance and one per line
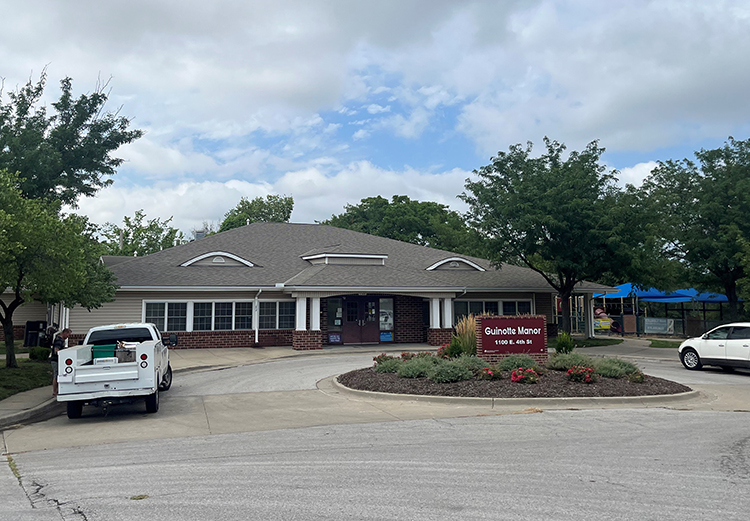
(60, 342)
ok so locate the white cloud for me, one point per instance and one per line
(635, 174)
(377, 109)
(361, 134)
(319, 192)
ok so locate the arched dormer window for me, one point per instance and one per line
(455, 263)
(217, 258)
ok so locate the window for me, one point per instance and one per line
(286, 315)
(202, 316)
(267, 315)
(243, 315)
(177, 316)
(155, 314)
(386, 314)
(521, 307)
(335, 314)
(719, 334)
(223, 316)
(739, 332)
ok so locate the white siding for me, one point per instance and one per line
(30, 311)
(128, 305)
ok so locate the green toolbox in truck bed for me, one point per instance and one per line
(103, 351)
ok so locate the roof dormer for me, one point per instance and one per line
(351, 259)
(218, 258)
(455, 264)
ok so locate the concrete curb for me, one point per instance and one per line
(41, 412)
(558, 403)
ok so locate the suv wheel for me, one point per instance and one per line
(690, 359)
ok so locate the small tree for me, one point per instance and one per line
(65, 154)
(274, 208)
(45, 257)
(563, 218)
(135, 236)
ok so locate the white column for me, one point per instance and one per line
(588, 315)
(301, 313)
(315, 314)
(447, 313)
(434, 313)
(256, 318)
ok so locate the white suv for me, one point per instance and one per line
(727, 346)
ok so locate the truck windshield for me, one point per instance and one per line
(109, 336)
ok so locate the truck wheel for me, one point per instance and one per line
(166, 382)
(152, 402)
(75, 410)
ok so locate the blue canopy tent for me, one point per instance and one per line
(667, 297)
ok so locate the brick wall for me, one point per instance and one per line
(494, 358)
(306, 340)
(218, 339)
(438, 337)
(18, 332)
(408, 320)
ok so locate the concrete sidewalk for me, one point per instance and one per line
(38, 404)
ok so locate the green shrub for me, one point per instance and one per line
(416, 367)
(455, 348)
(637, 377)
(563, 362)
(472, 363)
(388, 366)
(39, 353)
(564, 343)
(451, 371)
(512, 362)
(586, 375)
(614, 367)
(382, 357)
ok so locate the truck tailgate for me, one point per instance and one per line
(113, 373)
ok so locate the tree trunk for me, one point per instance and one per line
(10, 351)
(733, 306)
(565, 319)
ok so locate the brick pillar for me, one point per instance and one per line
(438, 337)
(306, 340)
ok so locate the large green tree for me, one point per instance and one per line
(703, 209)
(45, 257)
(274, 208)
(562, 217)
(65, 151)
(418, 222)
(138, 237)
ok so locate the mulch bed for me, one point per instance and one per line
(553, 384)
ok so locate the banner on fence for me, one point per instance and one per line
(658, 326)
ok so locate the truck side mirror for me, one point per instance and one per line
(173, 339)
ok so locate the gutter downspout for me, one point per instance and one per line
(256, 316)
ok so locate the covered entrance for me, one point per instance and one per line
(361, 320)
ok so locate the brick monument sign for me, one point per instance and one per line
(500, 336)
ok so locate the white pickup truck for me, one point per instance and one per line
(120, 363)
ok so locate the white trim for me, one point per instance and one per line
(218, 253)
(452, 259)
(345, 256)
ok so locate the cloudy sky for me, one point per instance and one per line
(333, 101)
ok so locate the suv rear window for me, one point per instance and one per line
(109, 336)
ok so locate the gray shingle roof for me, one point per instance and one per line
(277, 250)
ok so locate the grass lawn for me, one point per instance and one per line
(29, 375)
(588, 342)
(665, 343)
